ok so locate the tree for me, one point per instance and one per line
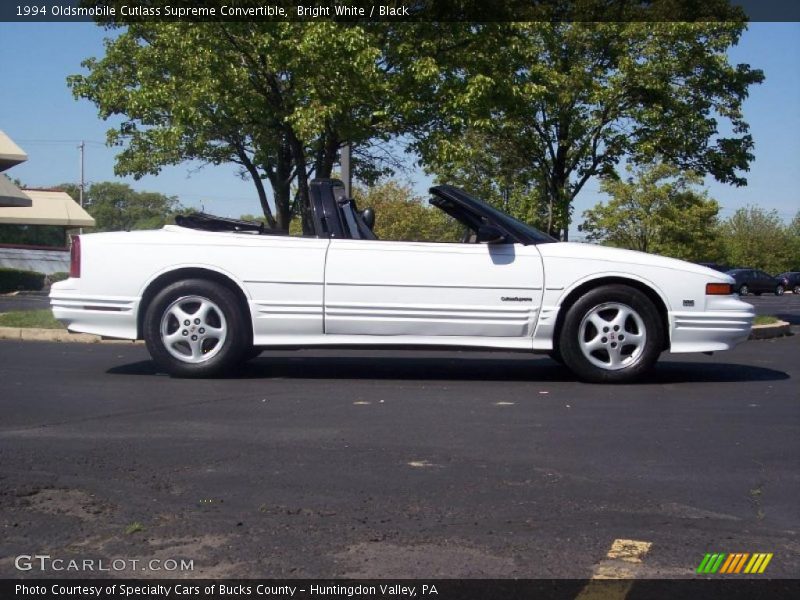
(490, 172)
(756, 237)
(118, 207)
(794, 242)
(399, 215)
(572, 99)
(658, 211)
(276, 98)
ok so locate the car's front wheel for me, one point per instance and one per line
(195, 328)
(612, 334)
(796, 289)
(744, 290)
(779, 290)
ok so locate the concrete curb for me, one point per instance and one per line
(766, 332)
(32, 334)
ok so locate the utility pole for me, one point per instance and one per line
(81, 147)
(346, 176)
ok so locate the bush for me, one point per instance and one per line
(60, 276)
(12, 280)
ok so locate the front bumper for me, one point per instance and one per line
(726, 322)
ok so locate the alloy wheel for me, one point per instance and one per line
(193, 329)
(612, 336)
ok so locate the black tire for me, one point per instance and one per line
(796, 289)
(555, 355)
(251, 353)
(214, 357)
(779, 290)
(744, 290)
(617, 300)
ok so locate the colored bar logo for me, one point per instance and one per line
(739, 562)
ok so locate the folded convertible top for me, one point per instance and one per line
(206, 222)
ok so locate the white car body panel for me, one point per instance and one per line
(310, 291)
(432, 289)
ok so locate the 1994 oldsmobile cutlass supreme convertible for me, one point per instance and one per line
(209, 292)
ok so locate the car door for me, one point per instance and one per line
(760, 282)
(391, 288)
(750, 279)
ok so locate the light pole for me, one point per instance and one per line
(81, 147)
(346, 176)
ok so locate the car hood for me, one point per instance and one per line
(577, 250)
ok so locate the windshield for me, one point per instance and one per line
(526, 233)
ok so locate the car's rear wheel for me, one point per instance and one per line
(612, 334)
(779, 290)
(195, 328)
(744, 290)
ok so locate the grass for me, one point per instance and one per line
(134, 527)
(765, 320)
(42, 319)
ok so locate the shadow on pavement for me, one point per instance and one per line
(792, 318)
(466, 369)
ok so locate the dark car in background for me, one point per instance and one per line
(790, 281)
(755, 281)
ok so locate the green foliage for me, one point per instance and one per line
(399, 215)
(765, 320)
(12, 280)
(118, 207)
(755, 237)
(134, 527)
(658, 211)
(39, 319)
(794, 242)
(541, 105)
(277, 98)
(491, 173)
(564, 101)
(58, 276)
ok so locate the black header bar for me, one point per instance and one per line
(125, 11)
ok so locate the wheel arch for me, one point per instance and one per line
(583, 287)
(162, 280)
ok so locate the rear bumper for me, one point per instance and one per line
(726, 322)
(108, 316)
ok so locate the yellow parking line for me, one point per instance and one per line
(629, 550)
(619, 566)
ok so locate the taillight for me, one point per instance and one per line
(719, 289)
(75, 257)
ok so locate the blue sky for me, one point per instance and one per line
(38, 111)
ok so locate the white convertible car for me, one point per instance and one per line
(209, 292)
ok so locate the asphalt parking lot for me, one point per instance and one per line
(399, 464)
(10, 303)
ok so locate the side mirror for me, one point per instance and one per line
(489, 234)
(368, 215)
